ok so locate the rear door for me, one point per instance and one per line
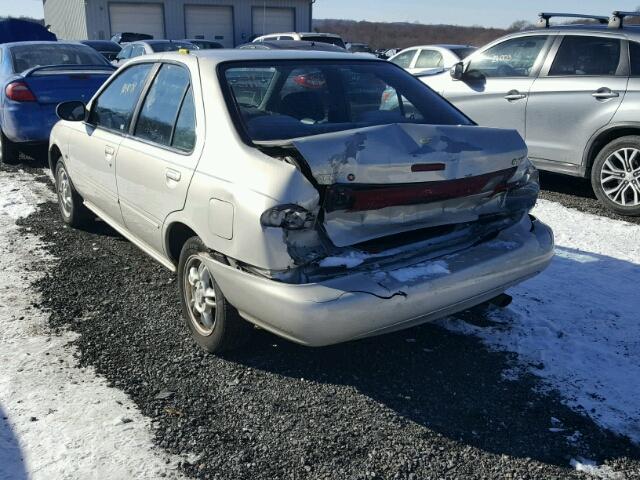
(93, 150)
(497, 80)
(578, 92)
(156, 162)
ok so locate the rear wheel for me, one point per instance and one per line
(214, 323)
(72, 208)
(615, 176)
(8, 152)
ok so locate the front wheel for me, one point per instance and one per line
(214, 323)
(615, 176)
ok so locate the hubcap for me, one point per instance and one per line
(200, 295)
(620, 177)
(64, 192)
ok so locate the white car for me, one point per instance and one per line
(426, 58)
(283, 195)
(331, 38)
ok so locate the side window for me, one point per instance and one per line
(511, 58)
(285, 37)
(114, 107)
(634, 53)
(125, 53)
(137, 51)
(184, 135)
(404, 59)
(160, 107)
(429, 59)
(586, 56)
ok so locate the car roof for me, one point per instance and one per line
(628, 30)
(297, 45)
(218, 56)
(42, 42)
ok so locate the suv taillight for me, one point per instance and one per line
(19, 92)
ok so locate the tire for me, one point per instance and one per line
(608, 177)
(218, 328)
(9, 154)
(72, 209)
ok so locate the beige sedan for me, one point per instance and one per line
(286, 194)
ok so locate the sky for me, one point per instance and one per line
(491, 13)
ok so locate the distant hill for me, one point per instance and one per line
(403, 34)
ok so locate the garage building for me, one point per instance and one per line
(229, 22)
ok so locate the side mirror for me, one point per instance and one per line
(457, 71)
(74, 111)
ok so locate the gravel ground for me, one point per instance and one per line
(423, 403)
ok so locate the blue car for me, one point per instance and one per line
(34, 78)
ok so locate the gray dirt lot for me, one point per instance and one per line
(419, 404)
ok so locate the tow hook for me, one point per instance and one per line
(502, 301)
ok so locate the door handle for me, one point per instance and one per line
(514, 95)
(172, 174)
(604, 93)
(108, 150)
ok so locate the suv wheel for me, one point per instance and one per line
(615, 176)
(72, 209)
(214, 323)
(8, 152)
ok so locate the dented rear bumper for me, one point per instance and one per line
(375, 301)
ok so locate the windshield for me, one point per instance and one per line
(463, 53)
(171, 46)
(337, 41)
(32, 55)
(281, 100)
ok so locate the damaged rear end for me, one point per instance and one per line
(419, 213)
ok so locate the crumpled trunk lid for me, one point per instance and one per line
(388, 179)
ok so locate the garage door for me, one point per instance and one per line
(137, 18)
(210, 22)
(273, 20)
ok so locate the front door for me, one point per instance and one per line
(578, 92)
(494, 89)
(156, 163)
(93, 150)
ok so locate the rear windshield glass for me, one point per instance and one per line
(282, 100)
(463, 53)
(323, 39)
(170, 46)
(25, 57)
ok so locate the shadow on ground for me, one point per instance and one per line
(11, 460)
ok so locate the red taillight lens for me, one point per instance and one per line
(312, 81)
(19, 92)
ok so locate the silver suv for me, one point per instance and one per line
(572, 92)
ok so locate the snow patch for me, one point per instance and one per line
(349, 260)
(578, 321)
(56, 420)
(592, 469)
(420, 270)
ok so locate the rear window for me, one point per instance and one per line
(170, 46)
(323, 39)
(289, 99)
(29, 56)
(634, 53)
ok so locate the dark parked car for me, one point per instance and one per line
(203, 44)
(14, 30)
(37, 76)
(359, 48)
(128, 37)
(107, 48)
(291, 45)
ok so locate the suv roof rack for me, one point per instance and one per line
(617, 18)
(543, 21)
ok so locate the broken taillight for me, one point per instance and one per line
(374, 197)
(289, 217)
(19, 92)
